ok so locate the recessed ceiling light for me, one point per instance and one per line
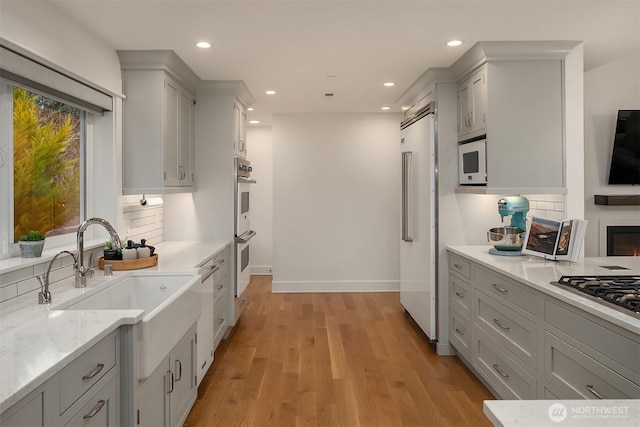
(384, 108)
(254, 122)
(203, 45)
(405, 108)
(250, 109)
(389, 84)
(270, 92)
(453, 43)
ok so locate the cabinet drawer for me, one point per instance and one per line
(460, 295)
(85, 371)
(497, 365)
(460, 266)
(220, 321)
(577, 376)
(220, 288)
(101, 410)
(509, 328)
(599, 336)
(507, 289)
(460, 334)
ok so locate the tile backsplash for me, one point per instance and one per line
(139, 222)
(547, 206)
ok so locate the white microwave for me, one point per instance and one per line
(472, 163)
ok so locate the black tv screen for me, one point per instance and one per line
(625, 158)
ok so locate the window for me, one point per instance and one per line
(43, 155)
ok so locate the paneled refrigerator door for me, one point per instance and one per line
(418, 246)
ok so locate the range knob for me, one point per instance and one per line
(250, 169)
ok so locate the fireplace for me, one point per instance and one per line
(623, 240)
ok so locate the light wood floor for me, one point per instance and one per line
(336, 359)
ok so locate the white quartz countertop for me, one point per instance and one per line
(37, 341)
(538, 273)
(566, 413)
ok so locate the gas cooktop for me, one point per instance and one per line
(619, 292)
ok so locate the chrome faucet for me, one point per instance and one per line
(44, 296)
(81, 271)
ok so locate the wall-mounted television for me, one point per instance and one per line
(625, 158)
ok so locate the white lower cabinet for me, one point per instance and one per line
(101, 410)
(167, 395)
(578, 376)
(213, 315)
(498, 366)
(528, 345)
(83, 393)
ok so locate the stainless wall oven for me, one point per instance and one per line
(243, 232)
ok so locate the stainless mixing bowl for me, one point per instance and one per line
(506, 238)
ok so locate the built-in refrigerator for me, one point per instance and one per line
(418, 253)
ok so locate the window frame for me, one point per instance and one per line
(7, 247)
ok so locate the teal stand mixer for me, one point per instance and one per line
(508, 240)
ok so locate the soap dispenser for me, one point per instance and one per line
(143, 249)
(129, 252)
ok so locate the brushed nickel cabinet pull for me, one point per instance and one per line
(179, 369)
(93, 373)
(459, 332)
(499, 289)
(497, 368)
(220, 286)
(172, 383)
(458, 266)
(95, 409)
(593, 391)
(459, 295)
(497, 322)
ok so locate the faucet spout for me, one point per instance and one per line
(44, 296)
(81, 271)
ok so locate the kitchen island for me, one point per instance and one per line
(527, 338)
(39, 341)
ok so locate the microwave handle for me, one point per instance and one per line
(406, 170)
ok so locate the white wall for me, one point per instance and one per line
(67, 45)
(260, 153)
(336, 202)
(611, 87)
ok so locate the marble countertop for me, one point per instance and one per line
(37, 341)
(569, 413)
(537, 273)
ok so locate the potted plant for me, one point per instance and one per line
(31, 244)
(110, 253)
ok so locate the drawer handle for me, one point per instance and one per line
(458, 266)
(179, 369)
(172, 383)
(95, 409)
(499, 289)
(242, 302)
(593, 391)
(93, 373)
(220, 286)
(497, 322)
(497, 368)
(459, 295)
(459, 332)
(221, 321)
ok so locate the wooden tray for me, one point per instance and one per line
(131, 264)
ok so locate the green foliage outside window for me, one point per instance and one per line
(46, 156)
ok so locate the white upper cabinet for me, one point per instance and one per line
(240, 130)
(158, 128)
(472, 104)
(515, 93)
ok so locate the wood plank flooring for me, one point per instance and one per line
(335, 359)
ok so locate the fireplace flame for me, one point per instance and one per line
(635, 252)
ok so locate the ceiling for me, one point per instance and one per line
(293, 47)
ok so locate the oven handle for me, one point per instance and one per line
(243, 180)
(245, 237)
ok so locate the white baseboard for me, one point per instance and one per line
(336, 286)
(261, 270)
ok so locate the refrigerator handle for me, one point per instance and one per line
(406, 162)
